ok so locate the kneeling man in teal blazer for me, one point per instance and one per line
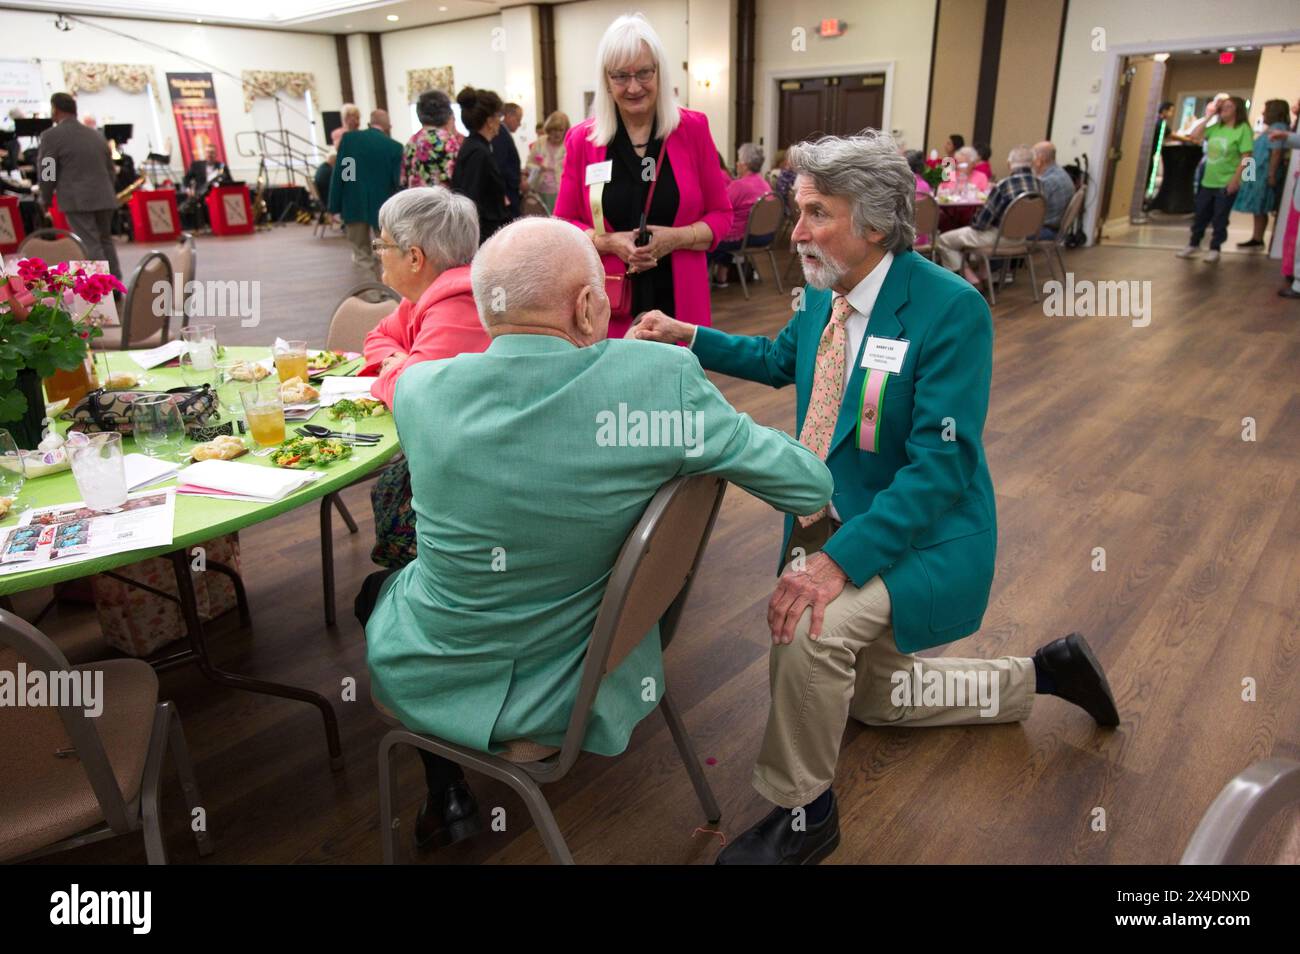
(891, 358)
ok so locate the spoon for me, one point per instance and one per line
(316, 430)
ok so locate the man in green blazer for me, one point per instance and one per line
(891, 358)
(530, 465)
(368, 170)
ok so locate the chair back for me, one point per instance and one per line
(1023, 218)
(34, 648)
(531, 204)
(142, 314)
(649, 584)
(355, 316)
(54, 246)
(765, 217)
(927, 215)
(184, 259)
(1070, 215)
(1241, 812)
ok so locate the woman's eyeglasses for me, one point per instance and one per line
(644, 76)
(379, 245)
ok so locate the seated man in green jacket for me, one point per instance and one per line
(524, 495)
(891, 358)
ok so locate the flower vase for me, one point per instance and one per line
(27, 429)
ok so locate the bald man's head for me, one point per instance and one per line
(379, 117)
(541, 276)
(1044, 155)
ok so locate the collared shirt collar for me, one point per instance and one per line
(863, 295)
(525, 343)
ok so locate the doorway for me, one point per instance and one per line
(836, 105)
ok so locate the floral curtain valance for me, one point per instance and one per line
(92, 77)
(266, 82)
(421, 81)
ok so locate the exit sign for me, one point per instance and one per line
(1225, 58)
(830, 28)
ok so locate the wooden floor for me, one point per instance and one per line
(1100, 434)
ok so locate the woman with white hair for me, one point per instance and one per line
(743, 191)
(641, 177)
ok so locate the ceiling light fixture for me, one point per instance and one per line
(392, 18)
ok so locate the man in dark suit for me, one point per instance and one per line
(506, 154)
(368, 170)
(206, 172)
(74, 162)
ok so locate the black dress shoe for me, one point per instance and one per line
(773, 841)
(447, 818)
(1288, 292)
(1079, 677)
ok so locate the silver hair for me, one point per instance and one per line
(526, 281)
(1021, 156)
(751, 156)
(868, 170)
(967, 154)
(620, 45)
(439, 222)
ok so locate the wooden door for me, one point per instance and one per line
(828, 106)
(860, 103)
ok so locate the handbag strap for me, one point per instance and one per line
(659, 164)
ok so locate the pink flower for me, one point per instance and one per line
(32, 270)
(60, 269)
(92, 288)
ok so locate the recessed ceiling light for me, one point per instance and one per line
(391, 18)
(442, 9)
(1232, 49)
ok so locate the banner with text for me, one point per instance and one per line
(194, 106)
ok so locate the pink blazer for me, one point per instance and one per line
(442, 324)
(703, 188)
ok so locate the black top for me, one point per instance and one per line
(623, 201)
(476, 176)
(507, 157)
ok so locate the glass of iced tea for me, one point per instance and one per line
(291, 360)
(264, 414)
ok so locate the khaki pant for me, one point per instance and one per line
(953, 246)
(855, 669)
(358, 234)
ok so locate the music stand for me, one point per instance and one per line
(120, 133)
(31, 128)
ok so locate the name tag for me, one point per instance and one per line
(600, 171)
(884, 354)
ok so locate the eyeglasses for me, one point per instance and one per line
(379, 245)
(642, 76)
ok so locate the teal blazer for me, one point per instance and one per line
(530, 465)
(375, 161)
(919, 512)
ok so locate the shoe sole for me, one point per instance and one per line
(824, 851)
(1080, 645)
(453, 834)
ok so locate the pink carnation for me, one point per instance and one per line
(92, 288)
(32, 270)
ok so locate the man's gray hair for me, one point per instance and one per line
(868, 170)
(441, 223)
(527, 280)
(1020, 157)
(751, 156)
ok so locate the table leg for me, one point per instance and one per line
(327, 557)
(194, 626)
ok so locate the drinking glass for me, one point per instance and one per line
(265, 414)
(98, 468)
(200, 344)
(198, 367)
(228, 389)
(158, 426)
(12, 472)
(291, 360)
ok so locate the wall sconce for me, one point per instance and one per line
(706, 73)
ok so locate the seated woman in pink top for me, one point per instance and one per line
(743, 191)
(427, 237)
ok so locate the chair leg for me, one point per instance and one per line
(154, 849)
(744, 283)
(702, 789)
(988, 278)
(543, 818)
(1033, 275)
(180, 750)
(775, 271)
(327, 557)
(390, 822)
(344, 513)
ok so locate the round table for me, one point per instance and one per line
(201, 518)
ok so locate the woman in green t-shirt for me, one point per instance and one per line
(1227, 147)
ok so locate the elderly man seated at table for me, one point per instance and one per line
(523, 504)
(1055, 184)
(983, 230)
(427, 237)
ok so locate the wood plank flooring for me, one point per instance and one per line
(1100, 434)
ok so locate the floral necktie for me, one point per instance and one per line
(827, 390)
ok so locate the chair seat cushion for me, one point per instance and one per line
(45, 798)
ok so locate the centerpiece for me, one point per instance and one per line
(41, 341)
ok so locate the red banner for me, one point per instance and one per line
(194, 106)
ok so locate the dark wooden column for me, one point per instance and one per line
(345, 66)
(746, 14)
(546, 48)
(377, 69)
(990, 57)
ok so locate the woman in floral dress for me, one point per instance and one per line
(431, 152)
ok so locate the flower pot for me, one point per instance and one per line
(27, 429)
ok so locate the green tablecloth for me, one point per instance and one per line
(198, 518)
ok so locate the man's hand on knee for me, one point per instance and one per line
(819, 582)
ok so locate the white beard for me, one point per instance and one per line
(826, 273)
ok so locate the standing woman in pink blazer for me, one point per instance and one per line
(610, 160)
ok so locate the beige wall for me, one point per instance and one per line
(956, 71)
(1026, 67)
(1278, 78)
(879, 32)
(1204, 76)
(711, 39)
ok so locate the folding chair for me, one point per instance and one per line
(55, 246)
(764, 220)
(927, 224)
(70, 779)
(650, 583)
(1073, 209)
(1016, 238)
(144, 325)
